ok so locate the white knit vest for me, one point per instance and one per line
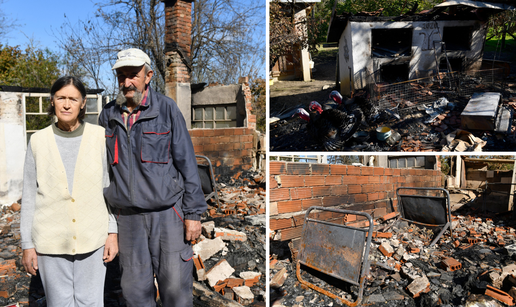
(64, 223)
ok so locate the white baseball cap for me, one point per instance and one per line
(131, 57)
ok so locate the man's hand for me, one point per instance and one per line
(30, 260)
(192, 230)
(110, 248)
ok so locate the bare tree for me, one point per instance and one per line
(6, 24)
(224, 38)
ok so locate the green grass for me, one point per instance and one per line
(492, 44)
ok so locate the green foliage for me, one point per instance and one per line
(29, 68)
(288, 33)
(387, 7)
(445, 165)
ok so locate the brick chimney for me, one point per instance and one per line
(178, 42)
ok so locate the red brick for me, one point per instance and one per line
(388, 171)
(339, 190)
(321, 191)
(320, 169)
(276, 224)
(314, 180)
(355, 179)
(290, 233)
(290, 181)
(353, 170)
(333, 180)
(378, 171)
(208, 132)
(396, 172)
(289, 206)
(196, 133)
(360, 198)
(298, 169)
(367, 170)
(272, 183)
(300, 193)
(338, 169)
(354, 189)
(374, 179)
(307, 203)
(277, 168)
(368, 188)
(279, 194)
(372, 197)
(330, 201)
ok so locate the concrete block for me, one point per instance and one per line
(480, 112)
(243, 295)
(207, 229)
(199, 268)
(386, 249)
(219, 271)
(279, 278)
(207, 248)
(418, 286)
(230, 235)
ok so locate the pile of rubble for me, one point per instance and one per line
(472, 266)
(233, 242)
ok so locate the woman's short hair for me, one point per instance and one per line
(62, 82)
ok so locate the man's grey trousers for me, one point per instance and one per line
(152, 243)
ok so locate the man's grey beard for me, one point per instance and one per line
(137, 97)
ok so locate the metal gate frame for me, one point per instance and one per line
(448, 210)
(345, 249)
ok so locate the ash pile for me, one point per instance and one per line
(237, 223)
(474, 267)
(229, 257)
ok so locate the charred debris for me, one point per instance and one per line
(472, 265)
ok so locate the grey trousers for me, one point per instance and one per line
(152, 243)
(73, 281)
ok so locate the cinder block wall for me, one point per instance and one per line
(294, 187)
(230, 150)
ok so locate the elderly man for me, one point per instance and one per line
(154, 186)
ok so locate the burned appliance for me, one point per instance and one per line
(483, 112)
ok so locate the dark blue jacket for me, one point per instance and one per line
(153, 165)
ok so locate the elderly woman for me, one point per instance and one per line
(67, 230)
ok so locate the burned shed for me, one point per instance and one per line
(375, 49)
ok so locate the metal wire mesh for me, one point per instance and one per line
(411, 93)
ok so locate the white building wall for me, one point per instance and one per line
(345, 67)
(358, 35)
(12, 147)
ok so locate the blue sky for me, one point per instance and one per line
(37, 19)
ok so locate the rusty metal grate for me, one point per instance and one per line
(340, 251)
(428, 210)
(412, 93)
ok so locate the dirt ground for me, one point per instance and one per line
(287, 94)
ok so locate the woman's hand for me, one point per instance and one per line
(30, 260)
(111, 247)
